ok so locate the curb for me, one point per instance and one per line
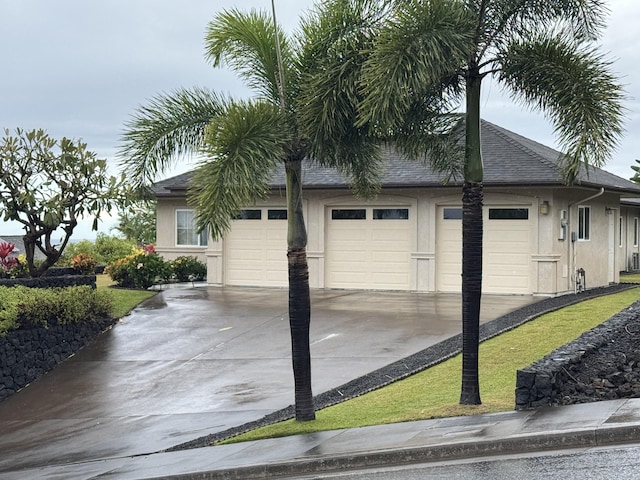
(528, 443)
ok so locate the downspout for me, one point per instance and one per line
(571, 251)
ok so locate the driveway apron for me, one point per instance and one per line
(193, 361)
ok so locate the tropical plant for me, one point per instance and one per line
(48, 185)
(29, 307)
(138, 223)
(188, 268)
(244, 142)
(104, 249)
(7, 262)
(110, 248)
(84, 263)
(427, 61)
(142, 268)
(636, 176)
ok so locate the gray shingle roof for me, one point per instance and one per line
(509, 160)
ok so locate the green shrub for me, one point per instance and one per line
(105, 249)
(188, 268)
(140, 269)
(111, 248)
(28, 307)
(84, 263)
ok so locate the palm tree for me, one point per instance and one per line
(243, 142)
(428, 61)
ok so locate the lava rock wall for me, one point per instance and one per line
(602, 364)
(28, 353)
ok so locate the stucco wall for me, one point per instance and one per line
(166, 232)
(554, 260)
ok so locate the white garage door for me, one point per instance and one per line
(368, 248)
(506, 250)
(255, 249)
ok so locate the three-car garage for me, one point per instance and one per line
(370, 247)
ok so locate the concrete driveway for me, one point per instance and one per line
(192, 361)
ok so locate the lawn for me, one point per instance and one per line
(435, 392)
(630, 278)
(124, 300)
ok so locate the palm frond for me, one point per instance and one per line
(436, 139)
(246, 42)
(334, 41)
(575, 87)
(168, 127)
(245, 145)
(582, 19)
(421, 44)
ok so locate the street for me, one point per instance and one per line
(619, 462)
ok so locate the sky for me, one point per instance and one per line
(80, 68)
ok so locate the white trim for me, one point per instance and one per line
(199, 245)
(585, 234)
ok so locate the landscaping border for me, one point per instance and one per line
(541, 383)
(28, 353)
(50, 281)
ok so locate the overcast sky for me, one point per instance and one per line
(79, 68)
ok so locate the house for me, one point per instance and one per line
(540, 236)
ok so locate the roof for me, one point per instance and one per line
(509, 160)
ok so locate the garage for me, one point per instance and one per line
(369, 247)
(506, 244)
(256, 248)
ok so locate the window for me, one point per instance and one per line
(249, 215)
(276, 214)
(508, 214)
(349, 214)
(391, 214)
(584, 223)
(452, 214)
(635, 231)
(620, 230)
(186, 233)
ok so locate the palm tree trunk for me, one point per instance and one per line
(299, 297)
(472, 196)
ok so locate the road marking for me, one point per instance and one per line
(328, 337)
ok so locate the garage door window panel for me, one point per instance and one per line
(186, 232)
(452, 213)
(276, 214)
(349, 214)
(249, 214)
(391, 214)
(508, 214)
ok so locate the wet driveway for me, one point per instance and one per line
(193, 361)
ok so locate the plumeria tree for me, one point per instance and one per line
(48, 186)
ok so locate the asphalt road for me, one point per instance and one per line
(619, 463)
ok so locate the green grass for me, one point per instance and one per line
(630, 278)
(124, 300)
(435, 392)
